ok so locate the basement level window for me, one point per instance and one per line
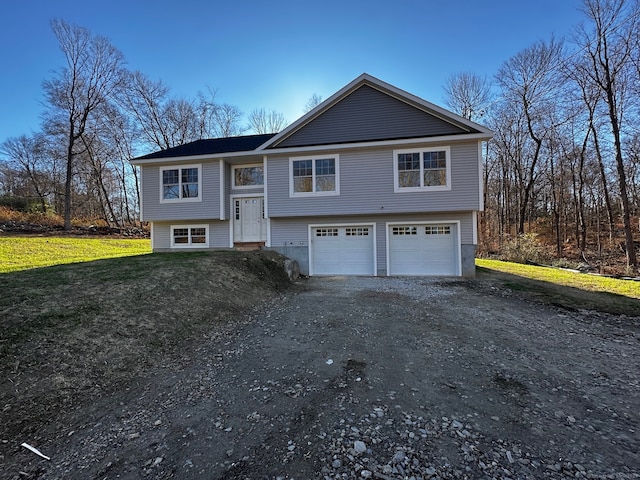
(189, 236)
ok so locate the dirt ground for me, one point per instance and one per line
(384, 378)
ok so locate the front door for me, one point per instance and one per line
(249, 224)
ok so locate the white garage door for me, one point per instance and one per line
(423, 249)
(344, 250)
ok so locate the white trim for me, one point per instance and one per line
(140, 191)
(422, 150)
(180, 168)
(480, 178)
(313, 193)
(247, 165)
(311, 226)
(264, 186)
(323, 148)
(222, 190)
(429, 222)
(267, 242)
(189, 245)
(151, 232)
(474, 219)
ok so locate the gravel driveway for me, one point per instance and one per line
(384, 378)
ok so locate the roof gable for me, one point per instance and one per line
(365, 110)
(370, 110)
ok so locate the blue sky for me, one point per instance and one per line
(275, 54)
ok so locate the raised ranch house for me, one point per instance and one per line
(373, 181)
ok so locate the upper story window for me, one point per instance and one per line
(422, 169)
(248, 176)
(180, 184)
(314, 176)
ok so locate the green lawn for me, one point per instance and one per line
(25, 252)
(565, 288)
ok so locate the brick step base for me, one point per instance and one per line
(248, 246)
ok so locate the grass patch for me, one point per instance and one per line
(26, 252)
(565, 288)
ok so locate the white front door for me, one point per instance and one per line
(249, 224)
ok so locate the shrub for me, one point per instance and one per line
(522, 249)
(37, 218)
(20, 204)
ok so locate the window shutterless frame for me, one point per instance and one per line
(247, 176)
(189, 236)
(422, 169)
(181, 183)
(317, 175)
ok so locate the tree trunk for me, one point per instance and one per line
(605, 187)
(68, 180)
(526, 194)
(622, 177)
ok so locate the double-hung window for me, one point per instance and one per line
(314, 176)
(422, 169)
(180, 184)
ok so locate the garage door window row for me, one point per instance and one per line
(437, 230)
(404, 231)
(326, 232)
(357, 231)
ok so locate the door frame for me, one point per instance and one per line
(232, 215)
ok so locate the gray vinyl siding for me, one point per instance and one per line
(368, 114)
(294, 232)
(258, 191)
(367, 186)
(208, 208)
(218, 234)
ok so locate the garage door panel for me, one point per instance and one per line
(345, 250)
(423, 249)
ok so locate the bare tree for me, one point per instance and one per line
(227, 121)
(120, 133)
(312, 103)
(530, 84)
(591, 97)
(261, 121)
(164, 122)
(28, 156)
(609, 45)
(206, 108)
(93, 71)
(143, 99)
(468, 94)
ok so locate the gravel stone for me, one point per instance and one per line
(458, 379)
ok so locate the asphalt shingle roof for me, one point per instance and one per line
(211, 146)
